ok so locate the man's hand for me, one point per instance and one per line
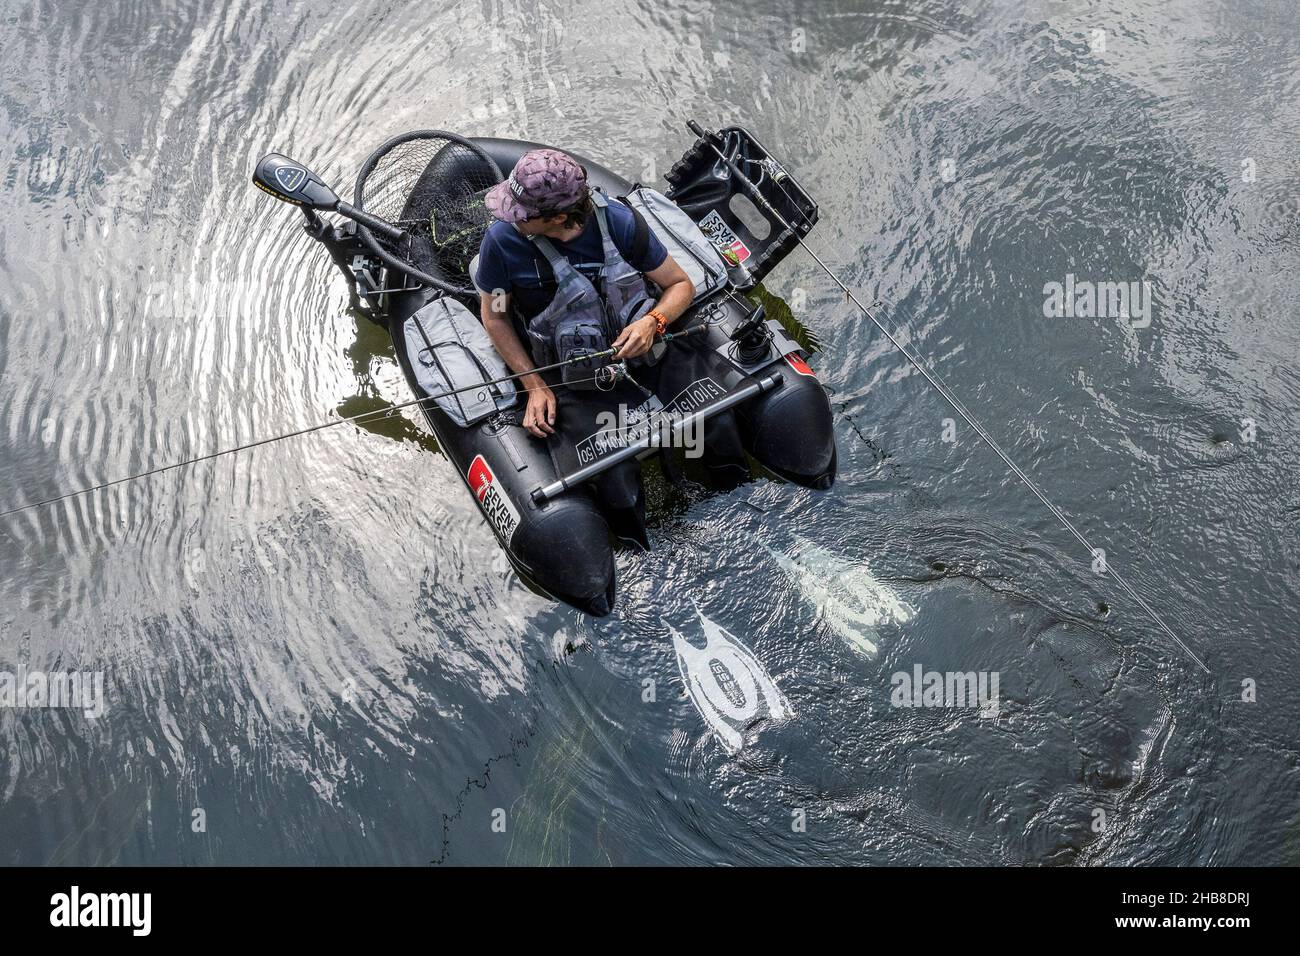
(637, 338)
(539, 416)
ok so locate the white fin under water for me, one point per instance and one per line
(727, 683)
(851, 601)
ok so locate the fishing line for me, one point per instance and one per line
(939, 385)
(355, 419)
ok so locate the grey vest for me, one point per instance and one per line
(579, 319)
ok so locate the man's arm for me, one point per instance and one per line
(677, 296)
(679, 290)
(494, 310)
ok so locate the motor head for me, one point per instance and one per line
(292, 182)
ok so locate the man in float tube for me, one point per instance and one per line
(603, 268)
(546, 195)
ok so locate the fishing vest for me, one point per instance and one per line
(581, 320)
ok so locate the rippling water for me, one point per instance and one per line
(312, 651)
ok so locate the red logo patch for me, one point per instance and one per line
(799, 365)
(739, 250)
(496, 503)
(480, 477)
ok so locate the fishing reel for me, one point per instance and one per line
(614, 373)
(608, 376)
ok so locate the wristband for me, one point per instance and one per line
(661, 323)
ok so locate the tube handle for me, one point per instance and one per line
(373, 223)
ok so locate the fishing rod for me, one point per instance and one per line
(291, 182)
(708, 137)
(358, 418)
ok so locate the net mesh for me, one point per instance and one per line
(433, 187)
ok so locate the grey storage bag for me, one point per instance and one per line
(688, 246)
(451, 352)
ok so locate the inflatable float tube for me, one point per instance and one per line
(549, 525)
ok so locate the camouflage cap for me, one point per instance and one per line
(543, 180)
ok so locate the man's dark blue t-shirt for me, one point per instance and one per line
(508, 260)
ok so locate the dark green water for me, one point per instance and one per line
(315, 643)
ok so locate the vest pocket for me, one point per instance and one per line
(573, 340)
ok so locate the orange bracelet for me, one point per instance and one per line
(661, 323)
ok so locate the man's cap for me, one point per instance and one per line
(544, 180)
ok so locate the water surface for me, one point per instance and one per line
(316, 643)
